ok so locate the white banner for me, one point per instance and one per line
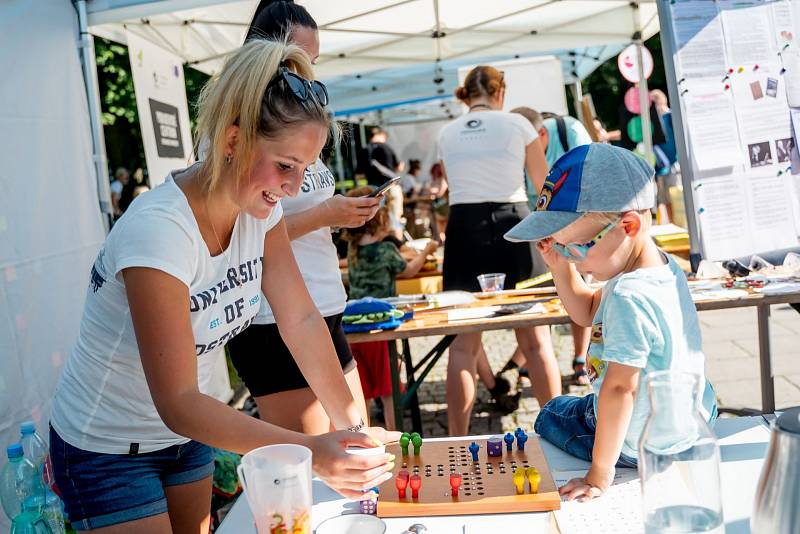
(163, 112)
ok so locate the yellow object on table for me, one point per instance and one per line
(519, 480)
(420, 285)
(534, 477)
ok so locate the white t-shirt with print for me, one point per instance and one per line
(314, 252)
(102, 402)
(484, 156)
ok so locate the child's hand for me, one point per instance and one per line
(551, 257)
(588, 487)
(431, 247)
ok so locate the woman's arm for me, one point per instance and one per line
(160, 315)
(536, 163)
(303, 330)
(337, 212)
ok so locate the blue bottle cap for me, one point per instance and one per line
(28, 427)
(14, 451)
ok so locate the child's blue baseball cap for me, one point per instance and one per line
(589, 178)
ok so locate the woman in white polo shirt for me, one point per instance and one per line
(181, 273)
(483, 154)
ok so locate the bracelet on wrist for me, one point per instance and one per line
(356, 428)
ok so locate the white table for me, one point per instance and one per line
(743, 445)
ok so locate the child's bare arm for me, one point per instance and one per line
(415, 264)
(579, 299)
(614, 409)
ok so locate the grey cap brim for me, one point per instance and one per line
(541, 224)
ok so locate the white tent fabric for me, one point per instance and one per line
(50, 224)
(375, 52)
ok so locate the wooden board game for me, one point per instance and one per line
(487, 485)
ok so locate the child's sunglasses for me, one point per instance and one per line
(578, 251)
(302, 89)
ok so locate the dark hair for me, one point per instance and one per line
(414, 165)
(483, 80)
(375, 130)
(353, 235)
(274, 19)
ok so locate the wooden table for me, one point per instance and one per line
(437, 324)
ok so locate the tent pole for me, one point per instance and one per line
(86, 47)
(687, 171)
(644, 106)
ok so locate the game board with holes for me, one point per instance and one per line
(443, 478)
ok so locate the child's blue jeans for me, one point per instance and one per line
(569, 423)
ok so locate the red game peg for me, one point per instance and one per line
(727, 86)
(401, 481)
(455, 482)
(415, 482)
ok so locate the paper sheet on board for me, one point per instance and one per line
(711, 122)
(745, 25)
(771, 211)
(698, 39)
(722, 216)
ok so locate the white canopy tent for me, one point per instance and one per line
(378, 52)
(374, 53)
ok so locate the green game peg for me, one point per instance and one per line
(405, 438)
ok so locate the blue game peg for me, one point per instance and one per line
(474, 448)
(521, 439)
(509, 439)
(518, 431)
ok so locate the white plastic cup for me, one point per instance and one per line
(491, 282)
(277, 483)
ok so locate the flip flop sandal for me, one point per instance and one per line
(580, 376)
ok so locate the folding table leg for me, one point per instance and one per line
(765, 360)
(394, 369)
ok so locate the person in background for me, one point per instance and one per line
(184, 270)
(605, 136)
(260, 354)
(380, 162)
(484, 154)
(594, 218)
(373, 266)
(411, 182)
(121, 179)
(440, 205)
(667, 157)
(558, 135)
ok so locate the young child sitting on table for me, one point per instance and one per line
(593, 217)
(373, 265)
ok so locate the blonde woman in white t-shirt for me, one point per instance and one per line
(179, 275)
(483, 154)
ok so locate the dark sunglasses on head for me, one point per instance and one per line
(302, 89)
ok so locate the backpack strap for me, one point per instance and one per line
(561, 125)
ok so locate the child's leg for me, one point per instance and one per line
(569, 423)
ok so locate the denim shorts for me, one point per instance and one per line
(570, 424)
(101, 490)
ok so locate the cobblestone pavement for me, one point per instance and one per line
(730, 343)
(499, 346)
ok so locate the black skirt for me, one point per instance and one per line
(475, 245)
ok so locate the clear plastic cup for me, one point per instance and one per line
(491, 282)
(277, 483)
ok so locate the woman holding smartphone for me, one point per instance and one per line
(260, 354)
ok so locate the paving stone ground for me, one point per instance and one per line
(730, 342)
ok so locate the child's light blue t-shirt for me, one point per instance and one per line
(647, 319)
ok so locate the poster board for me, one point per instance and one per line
(536, 82)
(732, 79)
(161, 102)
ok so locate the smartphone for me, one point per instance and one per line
(382, 189)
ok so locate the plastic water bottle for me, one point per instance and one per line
(30, 521)
(49, 505)
(18, 481)
(36, 451)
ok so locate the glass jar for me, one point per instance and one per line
(678, 459)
